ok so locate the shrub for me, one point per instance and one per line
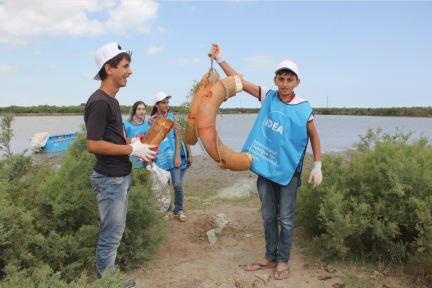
(49, 221)
(378, 205)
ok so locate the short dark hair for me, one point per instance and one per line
(286, 71)
(113, 62)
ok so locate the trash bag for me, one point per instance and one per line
(160, 179)
(221, 220)
(38, 141)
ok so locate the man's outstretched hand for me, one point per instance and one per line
(215, 50)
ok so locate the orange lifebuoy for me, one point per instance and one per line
(207, 125)
(190, 131)
(60, 138)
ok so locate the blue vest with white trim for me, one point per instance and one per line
(165, 159)
(278, 139)
(131, 132)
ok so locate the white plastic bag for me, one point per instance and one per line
(221, 220)
(38, 141)
(160, 186)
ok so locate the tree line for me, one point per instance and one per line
(125, 109)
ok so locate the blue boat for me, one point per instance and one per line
(58, 143)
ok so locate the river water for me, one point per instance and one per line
(336, 133)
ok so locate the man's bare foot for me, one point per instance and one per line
(260, 264)
(282, 271)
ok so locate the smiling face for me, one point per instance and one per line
(162, 106)
(120, 74)
(140, 111)
(286, 82)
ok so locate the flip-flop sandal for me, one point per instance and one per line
(261, 266)
(182, 217)
(280, 272)
(167, 216)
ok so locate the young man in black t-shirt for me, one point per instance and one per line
(111, 180)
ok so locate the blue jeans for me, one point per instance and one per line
(177, 176)
(278, 198)
(112, 194)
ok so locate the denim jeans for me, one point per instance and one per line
(112, 195)
(278, 198)
(177, 176)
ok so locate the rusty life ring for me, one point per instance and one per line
(190, 131)
(206, 125)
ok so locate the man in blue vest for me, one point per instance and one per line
(277, 143)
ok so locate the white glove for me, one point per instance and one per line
(143, 150)
(316, 174)
(133, 140)
(218, 55)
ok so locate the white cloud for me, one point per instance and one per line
(9, 68)
(21, 21)
(203, 46)
(54, 66)
(261, 62)
(88, 75)
(36, 72)
(192, 61)
(154, 50)
(162, 29)
(37, 52)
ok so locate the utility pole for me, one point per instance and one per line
(327, 101)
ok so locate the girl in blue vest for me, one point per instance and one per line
(136, 125)
(277, 143)
(174, 155)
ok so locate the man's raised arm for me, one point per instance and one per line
(250, 88)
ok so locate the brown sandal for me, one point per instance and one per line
(168, 216)
(182, 217)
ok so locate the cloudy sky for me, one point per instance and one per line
(359, 54)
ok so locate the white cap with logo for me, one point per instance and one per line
(160, 96)
(288, 65)
(106, 53)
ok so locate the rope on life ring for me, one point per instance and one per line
(206, 125)
(207, 81)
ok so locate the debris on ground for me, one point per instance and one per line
(265, 278)
(242, 189)
(330, 269)
(221, 221)
(338, 285)
(324, 277)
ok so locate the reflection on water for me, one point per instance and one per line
(336, 132)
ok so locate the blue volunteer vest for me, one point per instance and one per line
(165, 159)
(278, 139)
(131, 132)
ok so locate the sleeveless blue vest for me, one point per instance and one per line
(131, 132)
(165, 159)
(278, 139)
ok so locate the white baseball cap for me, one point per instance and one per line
(288, 65)
(160, 96)
(106, 53)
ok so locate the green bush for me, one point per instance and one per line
(378, 205)
(49, 221)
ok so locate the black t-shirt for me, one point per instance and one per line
(103, 119)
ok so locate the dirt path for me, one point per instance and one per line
(188, 260)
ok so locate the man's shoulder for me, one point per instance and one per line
(297, 100)
(99, 95)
